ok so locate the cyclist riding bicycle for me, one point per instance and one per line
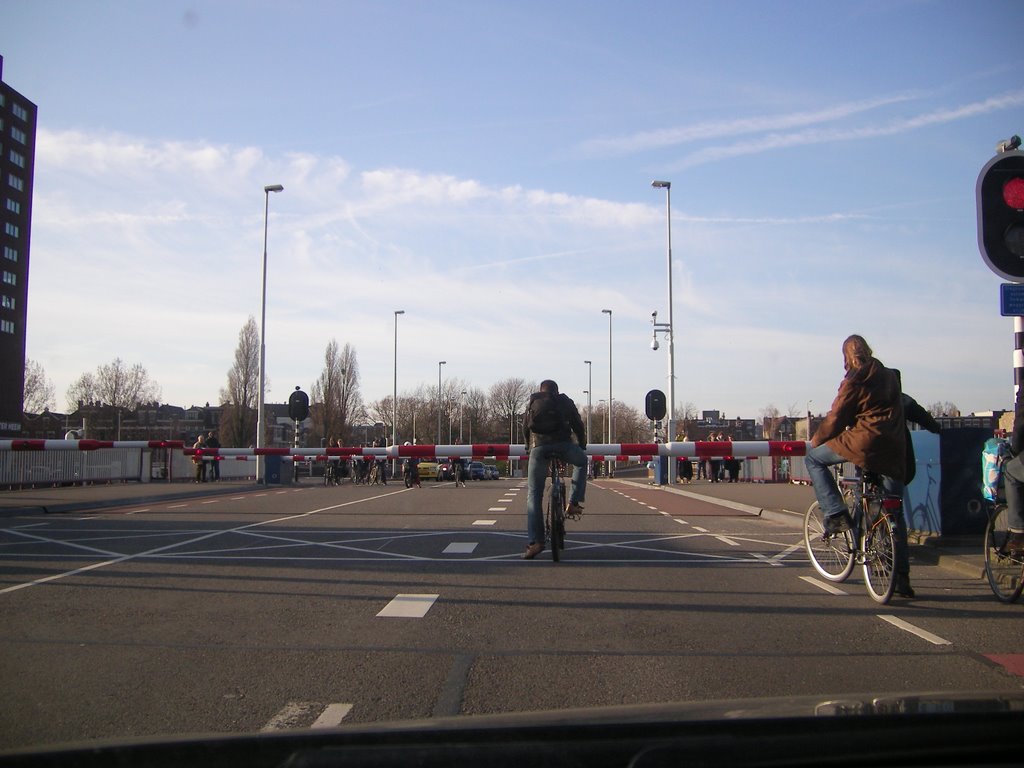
(865, 426)
(552, 419)
(1013, 477)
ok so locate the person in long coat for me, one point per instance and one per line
(865, 426)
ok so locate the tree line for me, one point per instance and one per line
(462, 412)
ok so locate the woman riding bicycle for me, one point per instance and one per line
(1013, 477)
(865, 426)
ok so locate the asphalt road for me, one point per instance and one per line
(309, 606)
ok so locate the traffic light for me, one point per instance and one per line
(298, 405)
(1000, 194)
(655, 405)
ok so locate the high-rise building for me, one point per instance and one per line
(17, 160)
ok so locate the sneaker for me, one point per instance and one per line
(532, 551)
(574, 510)
(903, 588)
(835, 524)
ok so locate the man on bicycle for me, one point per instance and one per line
(552, 418)
(865, 426)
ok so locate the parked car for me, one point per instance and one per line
(477, 471)
(492, 471)
(428, 470)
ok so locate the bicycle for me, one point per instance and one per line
(458, 473)
(870, 541)
(556, 503)
(1003, 569)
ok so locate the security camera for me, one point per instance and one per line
(654, 316)
(1009, 145)
(654, 343)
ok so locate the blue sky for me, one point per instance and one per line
(486, 167)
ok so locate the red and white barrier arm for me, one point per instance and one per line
(699, 449)
(85, 445)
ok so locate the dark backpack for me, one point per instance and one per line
(546, 414)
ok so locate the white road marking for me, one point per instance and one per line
(825, 586)
(485, 522)
(175, 545)
(906, 626)
(698, 528)
(726, 540)
(408, 606)
(497, 509)
(460, 548)
(332, 716)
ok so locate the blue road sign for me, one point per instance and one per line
(1011, 299)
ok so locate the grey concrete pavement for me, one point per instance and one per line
(785, 502)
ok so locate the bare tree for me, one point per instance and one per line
(238, 424)
(507, 400)
(40, 394)
(351, 402)
(115, 384)
(943, 409)
(326, 394)
(770, 420)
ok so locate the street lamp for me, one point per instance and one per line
(394, 398)
(442, 362)
(608, 312)
(462, 412)
(260, 425)
(590, 389)
(670, 432)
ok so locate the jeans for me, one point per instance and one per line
(1013, 479)
(538, 472)
(818, 460)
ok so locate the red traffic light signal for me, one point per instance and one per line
(1000, 196)
(654, 404)
(298, 405)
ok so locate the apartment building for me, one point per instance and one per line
(17, 159)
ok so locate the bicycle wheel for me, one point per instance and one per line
(880, 560)
(555, 522)
(1005, 574)
(831, 556)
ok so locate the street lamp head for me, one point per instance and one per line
(661, 184)
(587, 362)
(606, 311)
(273, 188)
(399, 311)
(654, 344)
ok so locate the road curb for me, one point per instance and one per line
(101, 504)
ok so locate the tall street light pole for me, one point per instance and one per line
(670, 432)
(590, 390)
(611, 433)
(394, 397)
(260, 425)
(442, 362)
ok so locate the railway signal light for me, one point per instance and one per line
(1000, 197)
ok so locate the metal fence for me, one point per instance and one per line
(34, 468)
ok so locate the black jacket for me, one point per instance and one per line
(573, 423)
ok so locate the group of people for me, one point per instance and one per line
(207, 441)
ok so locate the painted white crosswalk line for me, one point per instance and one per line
(485, 522)
(303, 714)
(460, 548)
(408, 606)
(906, 626)
(497, 509)
(332, 716)
(825, 586)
